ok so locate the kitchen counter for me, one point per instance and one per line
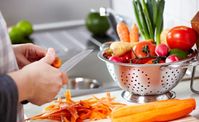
(182, 90)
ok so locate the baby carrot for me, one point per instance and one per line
(123, 32)
(134, 34)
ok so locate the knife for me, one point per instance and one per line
(69, 64)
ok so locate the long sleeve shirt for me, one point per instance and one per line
(8, 99)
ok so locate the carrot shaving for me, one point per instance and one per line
(67, 110)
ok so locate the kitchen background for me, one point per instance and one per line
(48, 11)
(42, 12)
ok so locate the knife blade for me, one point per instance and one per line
(69, 64)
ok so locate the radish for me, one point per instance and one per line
(162, 50)
(172, 58)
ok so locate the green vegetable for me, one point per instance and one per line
(179, 53)
(149, 16)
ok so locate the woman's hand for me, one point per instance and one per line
(28, 53)
(39, 82)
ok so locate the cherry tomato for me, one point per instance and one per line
(144, 49)
(181, 37)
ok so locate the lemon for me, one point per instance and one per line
(96, 24)
(16, 35)
(25, 26)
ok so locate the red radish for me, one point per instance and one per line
(171, 58)
(116, 59)
(161, 50)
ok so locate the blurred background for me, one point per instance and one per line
(47, 11)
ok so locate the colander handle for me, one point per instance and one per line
(193, 62)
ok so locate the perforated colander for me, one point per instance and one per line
(148, 79)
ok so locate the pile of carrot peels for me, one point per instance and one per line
(67, 110)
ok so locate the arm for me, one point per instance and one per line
(8, 99)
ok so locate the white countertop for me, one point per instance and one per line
(182, 90)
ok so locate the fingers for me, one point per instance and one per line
(49, 57)
(64, 78)
(36, 51)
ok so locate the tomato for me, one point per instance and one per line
(144, 49)
(181, 37)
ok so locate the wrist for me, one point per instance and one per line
(23, 86)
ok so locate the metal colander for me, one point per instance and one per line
(148, 79)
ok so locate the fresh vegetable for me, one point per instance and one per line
(179, 53)
(181, 37)
(123, 32)
(165, 110)
(96, 24)
(125, 58)
(57, 63)
(161, 50)
(172, 58)
(116, 59)
(120, 48)
(144, 49)
(134, 34)
(149, 17)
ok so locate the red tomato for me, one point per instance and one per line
(181, 37)
(144, 49)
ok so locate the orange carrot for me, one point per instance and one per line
(57, 63)
(160, 112)
(133, 109)
(123, 32)
(134, 34)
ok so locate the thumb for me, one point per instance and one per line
(49, 57)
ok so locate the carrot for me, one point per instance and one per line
(123, 32)
(57, 62)
(159, 112)
(134, 34)
(133, 109)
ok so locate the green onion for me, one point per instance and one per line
(149, 16)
